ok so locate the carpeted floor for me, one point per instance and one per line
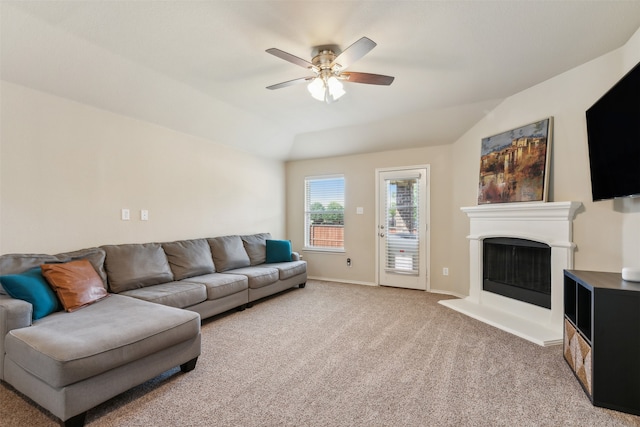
(336, 354)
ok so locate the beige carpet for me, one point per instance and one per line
(348, 355)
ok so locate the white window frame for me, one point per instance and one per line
(308, 212)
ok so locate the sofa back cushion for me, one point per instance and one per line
(256, 247)
(133, 266)
(228, 253)
(19, 263)
(189, 258)
(95, 256)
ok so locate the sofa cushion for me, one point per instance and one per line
(228, 253)
(173, 294)
(76, 283)
(95, 256)
(133, 266)
(188, 258)
(290, 269)
(32, 287)
(64, 348)
(258, 276)
(278, 251)
(220, 285)
(19, 263)
(256, 247)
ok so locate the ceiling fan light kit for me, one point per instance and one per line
(326, 83)
(326, 88)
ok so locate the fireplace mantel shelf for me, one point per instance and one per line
(530, 210)
(546, 222)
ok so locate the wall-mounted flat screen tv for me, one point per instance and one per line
(613, 131)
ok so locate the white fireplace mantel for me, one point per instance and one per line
(550, 223)
(524, 211)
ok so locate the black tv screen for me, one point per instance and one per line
(613, 131)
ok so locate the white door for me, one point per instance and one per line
(402, 222)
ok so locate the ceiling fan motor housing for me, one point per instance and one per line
(323, 61)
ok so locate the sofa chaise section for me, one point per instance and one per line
(69, 362)
(123, 342)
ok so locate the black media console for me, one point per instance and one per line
(602, 337)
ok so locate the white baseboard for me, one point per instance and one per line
(352, 282)
(453, 294)
(356, 282)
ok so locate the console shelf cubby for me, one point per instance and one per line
(602, 337)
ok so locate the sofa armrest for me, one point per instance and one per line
(295, 256)
(14, 314)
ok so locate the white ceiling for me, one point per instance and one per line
(200, 67)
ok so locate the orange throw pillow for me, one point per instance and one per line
(76, 283)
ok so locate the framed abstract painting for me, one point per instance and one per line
(514, 165)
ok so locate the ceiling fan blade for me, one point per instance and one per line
(372, 79)
(291, 82)
(291, 58)
(354, 52)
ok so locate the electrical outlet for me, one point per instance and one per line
(125, 214)
(348, 262)
(144, 215)
(445, 271)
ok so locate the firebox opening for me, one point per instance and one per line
(518, 269)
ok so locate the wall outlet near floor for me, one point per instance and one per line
(348, 262)
(445, 271)
(125, 214)
(144, 215)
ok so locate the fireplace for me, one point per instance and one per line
(541, 230)
(518, 269)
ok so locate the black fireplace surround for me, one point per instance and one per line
(518, 269)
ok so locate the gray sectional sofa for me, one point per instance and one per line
(69, 362)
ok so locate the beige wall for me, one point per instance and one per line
(360, 230)
(66, 170)
(607, 233)
(631, 208)
(603, 231)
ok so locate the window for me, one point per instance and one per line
(402, 219)
(324, 212)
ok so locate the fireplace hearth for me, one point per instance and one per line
(542, 230)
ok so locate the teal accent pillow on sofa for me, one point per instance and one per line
(278, 251)
(32, 287)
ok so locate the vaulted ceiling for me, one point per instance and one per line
(200, 67)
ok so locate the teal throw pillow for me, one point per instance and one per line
(32, 287)
(278, 251)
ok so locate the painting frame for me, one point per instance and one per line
(515, 164)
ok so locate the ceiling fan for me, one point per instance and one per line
(328, 65)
